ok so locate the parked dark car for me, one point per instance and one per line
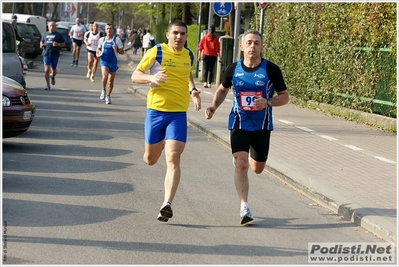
(65, 33)
(37, 38)
(13, 66)
(27, 47)
(18, 110)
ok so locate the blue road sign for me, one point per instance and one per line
(222, 8)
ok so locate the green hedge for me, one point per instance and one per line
(342, 54)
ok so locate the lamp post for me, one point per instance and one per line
(156, 18)
(210, 16)
(170, 12)
(199, 38)
(236, 31)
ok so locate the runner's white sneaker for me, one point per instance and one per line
(165, 213)
(246, 215)
(88, 74)
(107, 99)
(102, 96)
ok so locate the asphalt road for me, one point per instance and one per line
(76, 190)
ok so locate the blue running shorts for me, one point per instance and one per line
(53, 61)
(112, 66)
(161, 125)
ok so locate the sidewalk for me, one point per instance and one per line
(346, 167)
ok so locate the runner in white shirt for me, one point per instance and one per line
(77, 33)
(91, 40)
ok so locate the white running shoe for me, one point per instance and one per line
(102, 96)
(88, 74)
(246, 215)
(107, 99)
(92, 78)
(165, 212)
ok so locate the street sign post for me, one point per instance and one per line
(263, 5)
(262, 15)
(222, 8)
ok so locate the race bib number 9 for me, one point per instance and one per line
(248, 99)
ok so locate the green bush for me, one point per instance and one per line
(342, 54)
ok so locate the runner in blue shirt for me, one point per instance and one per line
(255, 81)
(51, 43)
(107, 49)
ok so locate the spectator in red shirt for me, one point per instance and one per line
(209, 50)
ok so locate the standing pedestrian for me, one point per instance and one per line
(121, 34)
(76, 33)
(14, 20)
(148, 41)
(165, 126)
(255, 81)
(51, 44)
(142, 33)
(209, 51)
(128, 31)
(108, 47)
(136, 42)
(91, 40)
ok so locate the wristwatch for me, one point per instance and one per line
(269, 103)
(194, 89)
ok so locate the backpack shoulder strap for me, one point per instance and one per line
(159, 53)
(191, 56)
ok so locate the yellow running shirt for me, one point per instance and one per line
(172, 95)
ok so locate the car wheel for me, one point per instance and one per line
(32, 55)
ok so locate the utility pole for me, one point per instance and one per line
(236, 31)
(198, 39)
(210, 16)
(170, 12)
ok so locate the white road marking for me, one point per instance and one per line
(354, 147)
(286, 122)
(328, 137)
(385, 160)
(305, 129)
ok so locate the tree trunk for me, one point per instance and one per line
(54, 13)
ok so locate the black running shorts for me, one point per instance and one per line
(255, 142)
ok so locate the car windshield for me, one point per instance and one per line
(22, 28)
(62, 31)
(33, 29)
(9, 45)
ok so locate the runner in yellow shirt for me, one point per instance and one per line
(169, 66)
